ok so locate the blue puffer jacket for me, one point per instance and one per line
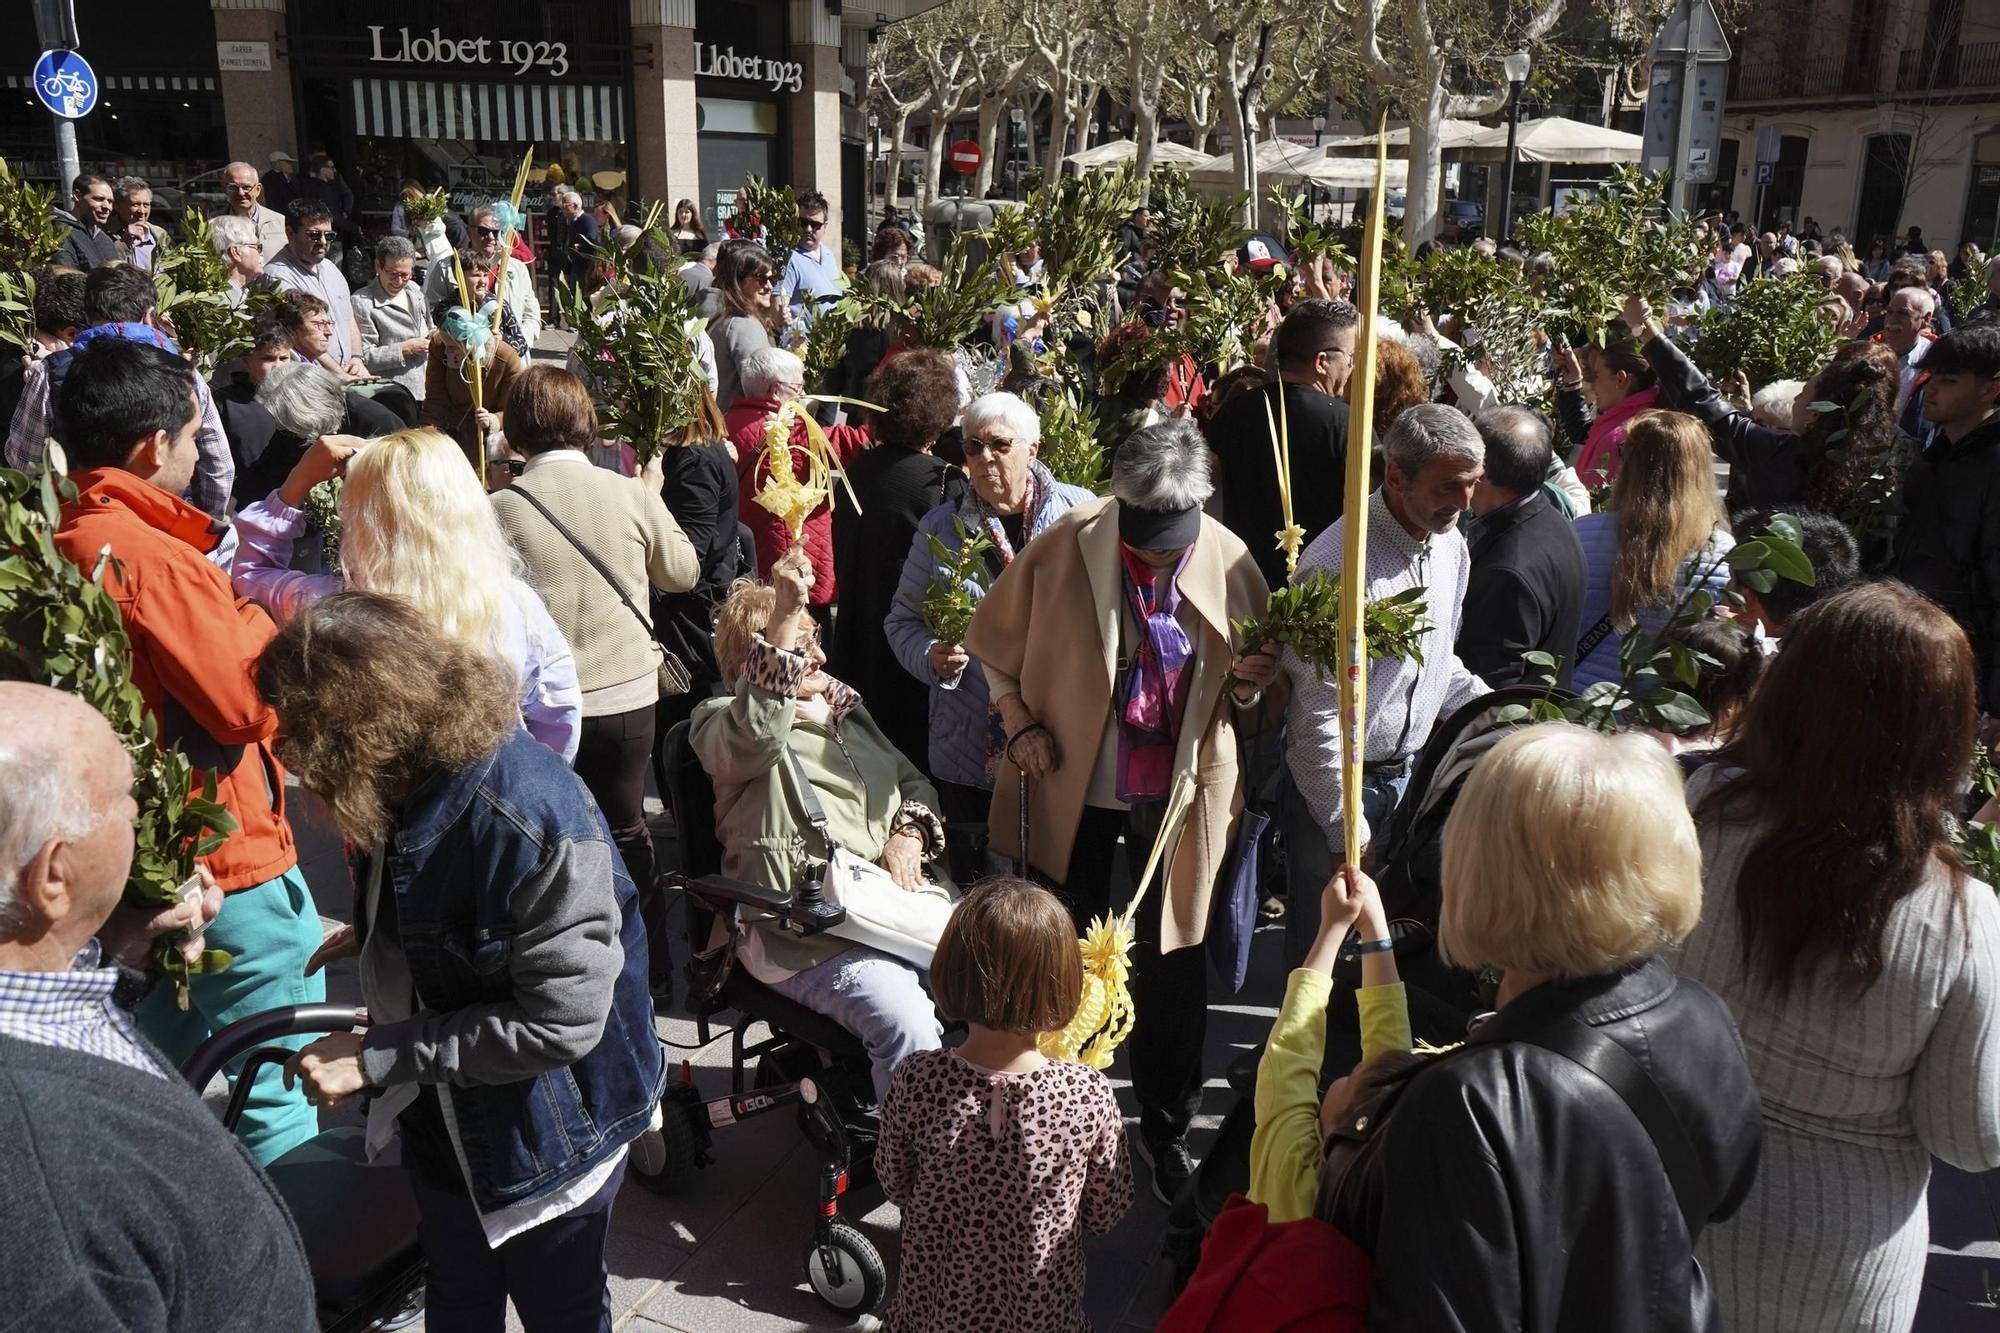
(958, 706)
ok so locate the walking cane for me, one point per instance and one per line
(1021, 861)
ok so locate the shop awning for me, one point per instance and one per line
(490, 112)
(1124, 153)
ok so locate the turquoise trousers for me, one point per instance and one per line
(272, 930)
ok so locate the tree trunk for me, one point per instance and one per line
(900, 128)
(1420, 199)
(1243, 146)
(992, 115)
(934, 157)
(1030, 147)
(1146, 134)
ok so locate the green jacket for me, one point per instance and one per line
(862, 782)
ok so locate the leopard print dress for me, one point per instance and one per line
(999, 1177)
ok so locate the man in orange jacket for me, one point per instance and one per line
(131, 422)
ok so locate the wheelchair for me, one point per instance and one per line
(808, 1061)
(358, 1221)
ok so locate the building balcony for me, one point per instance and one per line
(1929, 69)
(1815, 78)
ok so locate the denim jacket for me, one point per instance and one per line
(522, 935)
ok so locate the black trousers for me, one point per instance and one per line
(1169, 991)
(613, 755)
(964, 815)
(555, 1272)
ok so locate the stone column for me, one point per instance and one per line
(664, 154)
(815, 108)
(256, 104)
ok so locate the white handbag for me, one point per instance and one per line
(903, 923)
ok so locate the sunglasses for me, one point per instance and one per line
(319, 235)
(487, 231)
(976, 447)
(812, 224)
(762, 280)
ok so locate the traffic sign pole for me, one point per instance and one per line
(55, 24)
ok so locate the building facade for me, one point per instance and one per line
(629, 100)
(1872, 116)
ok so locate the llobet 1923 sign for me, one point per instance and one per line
(711, 61)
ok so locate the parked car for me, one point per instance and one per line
(1463, 219)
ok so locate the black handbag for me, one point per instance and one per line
(674, 677)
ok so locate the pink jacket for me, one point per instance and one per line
(1597, 463)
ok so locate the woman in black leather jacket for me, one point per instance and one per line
(1504, 1185)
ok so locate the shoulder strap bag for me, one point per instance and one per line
(674, 677)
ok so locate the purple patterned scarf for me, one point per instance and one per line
(1156, 687)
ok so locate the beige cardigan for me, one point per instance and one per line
(630, 531)
(1048, 631)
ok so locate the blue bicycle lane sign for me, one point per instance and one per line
(66, 84)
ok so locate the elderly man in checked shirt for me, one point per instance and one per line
(1434, 456)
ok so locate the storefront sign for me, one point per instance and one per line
(243, 55)
(519, 56)
(712, 62)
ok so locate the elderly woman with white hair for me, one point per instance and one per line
(772, 377)
(304, 401)
(1556, 1170)
(240, 248)
(415, 522)
(1107, 649)
(1014, 497)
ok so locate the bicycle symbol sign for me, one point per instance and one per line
(66, 84)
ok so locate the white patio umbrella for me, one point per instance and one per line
(1124, 152)
(1560, 139)
(1282, 160)
(1452, 135)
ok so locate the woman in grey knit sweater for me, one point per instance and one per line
(1862, 964)
(747, 310)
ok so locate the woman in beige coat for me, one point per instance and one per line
(1145, 580)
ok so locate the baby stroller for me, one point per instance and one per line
(358, 1221)
(809, 1061)
(1442, 998)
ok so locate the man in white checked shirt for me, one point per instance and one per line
(1434, 456)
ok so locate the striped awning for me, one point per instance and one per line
(489, 112)
(150, 83)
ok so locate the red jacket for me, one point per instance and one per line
(1256, 1277)
(747, 421)
(193, 644)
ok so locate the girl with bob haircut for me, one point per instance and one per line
(1861, 961)
(1664, 533)
(993, 1151)
(416, 523)
(1505, 1182)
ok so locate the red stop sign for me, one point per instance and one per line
(965, 157)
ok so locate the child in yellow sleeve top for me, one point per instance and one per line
(1286, 1152)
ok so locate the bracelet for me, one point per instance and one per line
(1383, 945)
(1031, 727)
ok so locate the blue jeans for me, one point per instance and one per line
(272, 930)
(879, 999)
(1310, 861)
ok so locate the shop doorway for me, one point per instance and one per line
(736, 140)
(1884, 174)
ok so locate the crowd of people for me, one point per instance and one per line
(1752, 931)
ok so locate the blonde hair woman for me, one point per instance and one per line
(1664, 535)
(415, 523)
(1511, 1174)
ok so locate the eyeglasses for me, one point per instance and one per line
(762, 280)
(812, 224)
(319, 235)
(487, 231)
(258, 246)
(999, 448)
(235, 187)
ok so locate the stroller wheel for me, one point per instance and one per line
(664, 1158)
(856, 1278)
(408, 1311)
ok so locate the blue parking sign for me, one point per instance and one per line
(66, 84)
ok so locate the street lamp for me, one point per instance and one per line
(1516, 66)
(874, 151)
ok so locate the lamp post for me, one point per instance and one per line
(1516, 66)
(1312, 188)
(874, 151)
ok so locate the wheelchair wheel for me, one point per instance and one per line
(859, 1278)
(664, 1158)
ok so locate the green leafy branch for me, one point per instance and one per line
(946, 314)
(1623, 241)
(776, 208)
(638, 356)
(61, 628)
(425, 208)
(193, 283)
(953, 593)
(1305, 617)
(1773, 330)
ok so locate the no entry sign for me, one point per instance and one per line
(965, 157)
